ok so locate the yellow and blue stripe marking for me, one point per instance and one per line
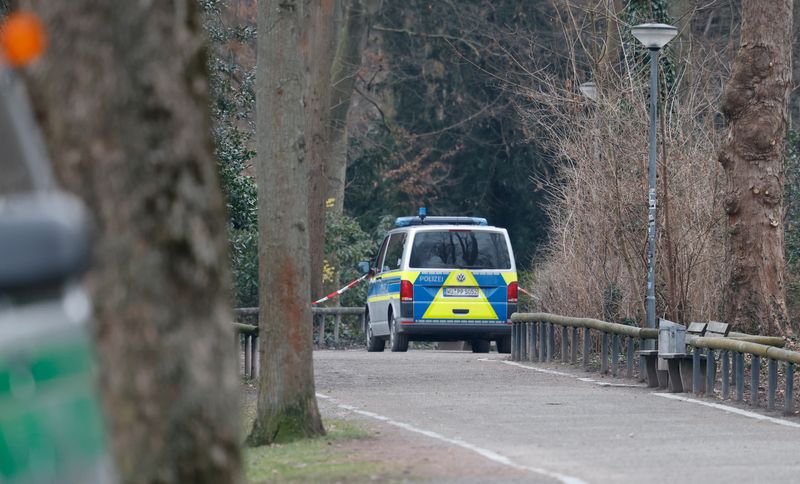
(386, 288)
(430, 303)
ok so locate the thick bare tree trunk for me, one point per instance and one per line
(351, 40)
(317, 47)
(122, 96)
(755, 105)
(287, 406)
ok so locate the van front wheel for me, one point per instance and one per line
(503, 344)
(373, 344)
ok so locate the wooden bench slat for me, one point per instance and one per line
(717, 329)
(697, 329)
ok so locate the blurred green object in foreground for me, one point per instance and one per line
(50, 425)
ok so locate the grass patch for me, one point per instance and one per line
(312, 460)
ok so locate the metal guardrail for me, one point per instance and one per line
(321, 313)
(533, 339)
(763, 340)
(247, 334)
(734, 350)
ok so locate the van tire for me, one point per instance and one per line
(374, 344)
(503, 344)
(480, 345)
(398, 341)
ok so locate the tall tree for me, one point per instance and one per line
(122, 97)
(754, 104)
(351, 38)
(317, 47)
(287, 406)
(452, 139)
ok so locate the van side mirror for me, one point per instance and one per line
(44, 238)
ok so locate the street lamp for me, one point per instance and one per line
(589, 89)
(654, 37)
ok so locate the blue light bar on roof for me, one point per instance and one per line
(408, 221)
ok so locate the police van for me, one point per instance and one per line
(441, 279)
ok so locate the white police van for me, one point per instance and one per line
(441, 279)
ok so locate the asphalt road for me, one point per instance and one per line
(554, 422)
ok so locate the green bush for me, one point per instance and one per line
(347, 244)
(232, 106)
(244, 267)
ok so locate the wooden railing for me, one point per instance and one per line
(247, 334)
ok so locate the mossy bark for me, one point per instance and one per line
(286, 424)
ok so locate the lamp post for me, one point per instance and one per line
(654, 37)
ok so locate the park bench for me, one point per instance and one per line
(681, 366)
(649, 360)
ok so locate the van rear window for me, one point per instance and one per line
(459, 249)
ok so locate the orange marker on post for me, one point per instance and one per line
(22, 39)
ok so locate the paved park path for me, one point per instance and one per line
(555, 423)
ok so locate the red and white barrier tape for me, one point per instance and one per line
(345, 288)
(336, 293)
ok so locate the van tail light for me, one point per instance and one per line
(513, 292)
(406, 291)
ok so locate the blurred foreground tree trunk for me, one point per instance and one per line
(755, 104)
(287, 406)
(122, 98)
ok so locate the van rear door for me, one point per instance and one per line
(464, 275)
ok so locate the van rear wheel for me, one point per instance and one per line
(503, 344)
(397, 340)
(480, 345)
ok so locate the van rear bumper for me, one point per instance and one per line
(407, 315)
(453, 330)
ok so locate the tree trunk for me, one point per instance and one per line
(317, 49)
(755, 106)
(682, 13)
(122, 96)
(352, 38)
(609, 55)
(287, 406)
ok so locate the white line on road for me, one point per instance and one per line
(718, 406)
(491, 455)
(561, 373)
(726, 408)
